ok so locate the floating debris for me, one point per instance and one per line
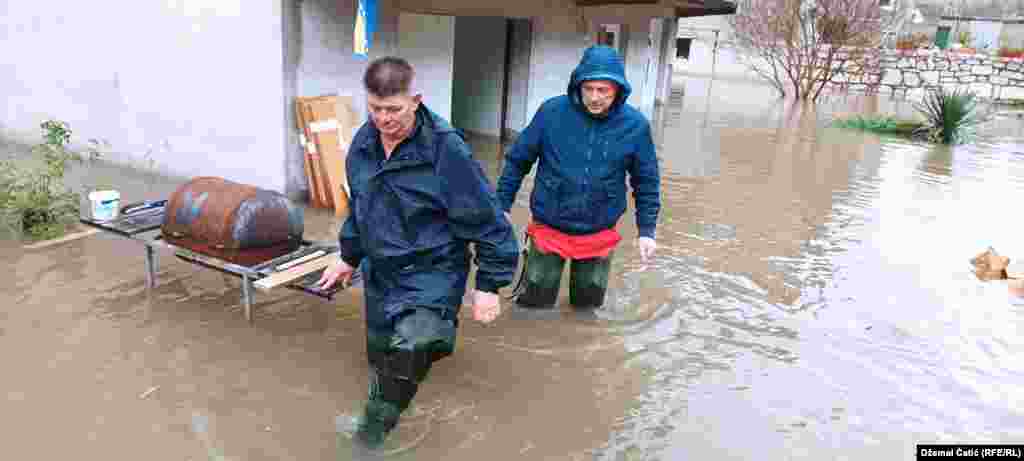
(989, 265)
(148, 392)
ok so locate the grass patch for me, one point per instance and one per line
(1010, 102)
(880, 124)
(950, 117)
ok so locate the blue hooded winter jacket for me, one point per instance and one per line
(412, 218)
(580, 184)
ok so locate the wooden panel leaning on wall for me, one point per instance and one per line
(326, 126)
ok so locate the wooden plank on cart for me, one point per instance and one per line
(293, 273)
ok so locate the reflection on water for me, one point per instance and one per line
(811, 299)
(814, 289)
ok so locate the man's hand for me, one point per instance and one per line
(647, 247)
(331, 276)
(485, 306)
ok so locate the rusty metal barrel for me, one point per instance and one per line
(240, 223)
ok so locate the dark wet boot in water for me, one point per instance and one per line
(389, 396)
(543, 278)
(379, 418)
(399, 361)
(588, 282)
(376, 435)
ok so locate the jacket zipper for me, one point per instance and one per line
(590, 149)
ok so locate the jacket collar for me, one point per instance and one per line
(423, 134)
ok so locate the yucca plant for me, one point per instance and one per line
(951, 117)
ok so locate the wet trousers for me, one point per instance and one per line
(588, 280)
(399, 361)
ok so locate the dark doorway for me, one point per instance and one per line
(683, 47)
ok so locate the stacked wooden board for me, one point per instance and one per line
(326, 124)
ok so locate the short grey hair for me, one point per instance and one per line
(389, 76)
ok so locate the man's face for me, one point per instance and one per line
(394, 115)
(598, 95)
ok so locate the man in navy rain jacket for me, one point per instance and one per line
(584, 142)
(418, 199)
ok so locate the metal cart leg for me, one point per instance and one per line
(150, 267)
(247, 296)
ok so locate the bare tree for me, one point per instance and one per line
(801, 46)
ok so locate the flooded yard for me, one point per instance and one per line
(811, 298)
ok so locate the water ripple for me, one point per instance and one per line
(822, 268)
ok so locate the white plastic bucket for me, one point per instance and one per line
(105, 204)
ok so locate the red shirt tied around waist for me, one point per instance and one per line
(550, 240)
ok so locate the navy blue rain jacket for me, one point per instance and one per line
(580, 185)
(413, 216)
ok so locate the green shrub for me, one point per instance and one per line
(34, 201)
(950, 117)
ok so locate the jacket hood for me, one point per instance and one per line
(600, 62)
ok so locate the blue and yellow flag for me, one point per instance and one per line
(366, 19)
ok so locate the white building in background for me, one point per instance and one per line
(214, 82)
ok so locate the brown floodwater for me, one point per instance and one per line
(811, 299)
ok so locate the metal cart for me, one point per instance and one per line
(143, 227)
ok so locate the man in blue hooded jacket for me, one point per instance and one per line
(584, 143)
(418, 199)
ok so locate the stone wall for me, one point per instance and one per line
(910, 73)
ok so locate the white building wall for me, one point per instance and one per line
(558, 45)
(319, 60)
(211, 85)
(638, 55)
(428, 43)
(199, 81)
(667, 55)
(704, 59)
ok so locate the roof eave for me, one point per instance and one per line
(692, 8)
